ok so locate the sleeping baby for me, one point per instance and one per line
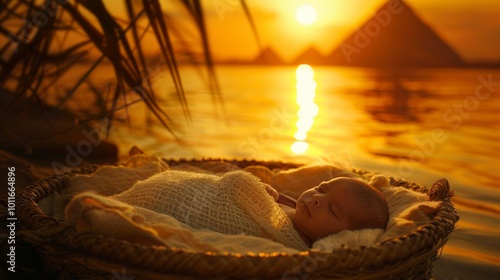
(333, 206)
(239, 203)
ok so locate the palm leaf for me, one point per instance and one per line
(41, 59)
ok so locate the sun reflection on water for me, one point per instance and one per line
(306, 91)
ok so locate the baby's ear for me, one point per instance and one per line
(380, 182)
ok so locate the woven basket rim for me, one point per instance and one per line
(41, 229)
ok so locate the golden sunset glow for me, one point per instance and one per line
(306, 14)
(251, 107)
(306, 91)
(299, 147)
(231, 35)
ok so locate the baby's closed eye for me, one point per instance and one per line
(330, 209)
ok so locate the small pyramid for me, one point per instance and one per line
(310, 56)
(395, 37)
(267, 57)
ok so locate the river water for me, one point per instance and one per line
(420, 124)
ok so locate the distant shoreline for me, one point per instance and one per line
(231, 62)
(473, 65)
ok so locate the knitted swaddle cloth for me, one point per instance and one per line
(234, 203)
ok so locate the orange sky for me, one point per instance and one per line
(470, 27)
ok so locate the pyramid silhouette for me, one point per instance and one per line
(310, 56)
(395, 37)
(267, 57)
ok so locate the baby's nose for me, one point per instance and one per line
(317, 200)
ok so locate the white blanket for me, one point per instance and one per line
(95, 212)
(234, 203)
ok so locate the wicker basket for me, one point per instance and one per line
(89, 256)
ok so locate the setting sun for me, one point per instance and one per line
(306, 14)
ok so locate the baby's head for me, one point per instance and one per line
(339, 204)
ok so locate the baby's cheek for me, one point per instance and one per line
(342, 226)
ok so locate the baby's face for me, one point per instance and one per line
(327, 209)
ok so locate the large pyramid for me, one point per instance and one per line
(395, 37)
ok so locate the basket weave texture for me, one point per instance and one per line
(89, 256)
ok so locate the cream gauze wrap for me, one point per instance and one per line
(234, 203)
